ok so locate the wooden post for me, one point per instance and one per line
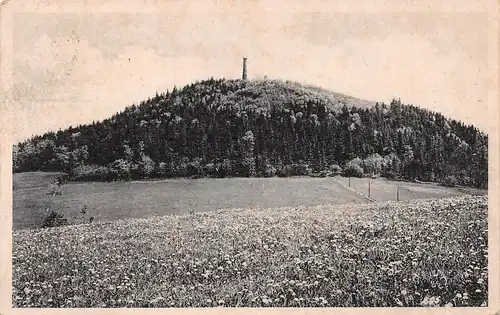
(369, 188)
(397, 193)
(349, 182)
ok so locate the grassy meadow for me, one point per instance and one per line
(119, 200)
(383, 190)
(418, 253)
(34, 180)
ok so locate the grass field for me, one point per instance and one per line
(118, 200)
(34, 179)
(383, 190)
(419, 253)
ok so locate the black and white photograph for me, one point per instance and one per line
(260, 154)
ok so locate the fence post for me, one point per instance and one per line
(397, 194)
(369, 188)
(349, 181)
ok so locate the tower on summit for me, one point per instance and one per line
(244, 69)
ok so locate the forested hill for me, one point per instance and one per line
(262, 128)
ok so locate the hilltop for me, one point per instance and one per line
(222, 128)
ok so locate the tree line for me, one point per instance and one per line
(223, 128)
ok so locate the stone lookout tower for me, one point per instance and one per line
(244, 77)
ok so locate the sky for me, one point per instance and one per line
(73, 68)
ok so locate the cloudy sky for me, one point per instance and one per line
(71, 68)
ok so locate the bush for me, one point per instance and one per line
(450, 181)
(390, 175)
(286, 171)
(227, 167)
(300, 169)
(135, 172)
(295, 169)
(147, 166)
(269, 170)
(467, 181)
(62, 179)
(195, 168)
(353, 170)
(325, 173)
(123, 169)
(247, 167)
(179, 168)
(392, 163)
(357, 161)
(94, 173)
(335, 170)
(373, 164)
(209, 169)
(162, 170)
(54, 219)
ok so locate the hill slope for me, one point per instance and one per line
(261, 128)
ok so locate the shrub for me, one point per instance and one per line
(54, 219)
(180, 166)
(248, 167)
(467, 181)
(147, 166)
(162, 170)
(357, 161)
(210, 169)
(450, 181)
(94, 173)
(135, 172)
(325, 173)
(353, 170)
(390, 175)
(269, 170)
(227, 167)
(194, 168)
(296, 169)
(392, 163)
(335, 170)
(62, 179)
(301, 169)
(373, 164)
(123, 169)
(285, 171)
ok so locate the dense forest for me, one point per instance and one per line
(266, 128)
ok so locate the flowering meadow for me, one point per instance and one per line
(419, 253)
